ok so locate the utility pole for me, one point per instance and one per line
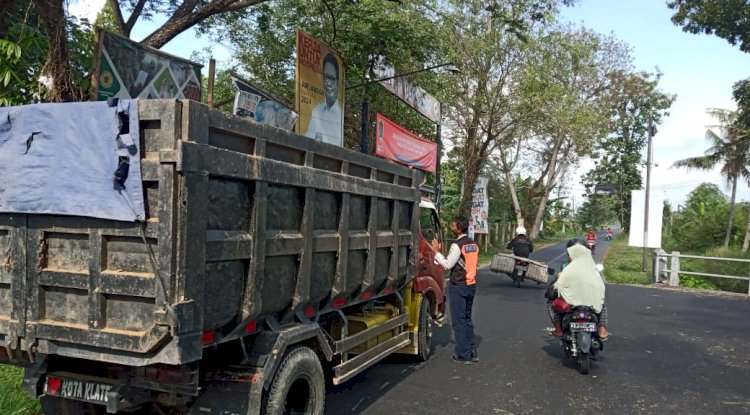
(649, 157)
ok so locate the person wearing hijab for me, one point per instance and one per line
(580, 284)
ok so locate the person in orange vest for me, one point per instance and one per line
(462, 260)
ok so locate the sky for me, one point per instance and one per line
(699, 69)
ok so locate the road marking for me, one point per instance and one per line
(354, 408)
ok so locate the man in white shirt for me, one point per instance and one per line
(326, 121)
(462, 260)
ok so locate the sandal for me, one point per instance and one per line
(605, 337)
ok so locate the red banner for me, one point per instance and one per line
(401, 145)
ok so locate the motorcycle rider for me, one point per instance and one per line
(579, 283)
(521, 245)
(591, 236)
(609, 233)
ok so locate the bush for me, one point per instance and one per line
(623, 263)
(14, 401)
(718, 267)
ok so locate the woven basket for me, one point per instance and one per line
(503, 263)
(537, 272)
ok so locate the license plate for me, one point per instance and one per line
(77, 389)
(582, 327)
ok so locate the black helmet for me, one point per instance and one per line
(577, 241)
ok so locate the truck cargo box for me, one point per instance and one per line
(245, 224)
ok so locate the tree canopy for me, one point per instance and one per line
(636, 103)
(727, 19)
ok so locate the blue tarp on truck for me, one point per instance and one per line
(78, 159)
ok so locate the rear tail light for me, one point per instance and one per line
(209, 337)
(251, 326)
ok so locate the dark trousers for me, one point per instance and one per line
(461, 300)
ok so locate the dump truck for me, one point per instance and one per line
(201, 263)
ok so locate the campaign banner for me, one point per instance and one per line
(320, 90)
(126, 69)
(411, 94)
(252, 103)
(480, 206)
(396, 143)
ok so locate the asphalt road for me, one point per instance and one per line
(670, 352)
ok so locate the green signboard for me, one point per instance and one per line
(126, 69)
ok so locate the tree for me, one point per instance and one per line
(24, 31)
(701, 223)
(741, 94)
(265, 42)
(568, 82)
(58, 27)
(636, 103)
(485, 105)
(730, 148)
(727, 19)
(596, 211)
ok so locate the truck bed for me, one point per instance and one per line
(245, 224)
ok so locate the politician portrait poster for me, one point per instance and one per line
(320, 90)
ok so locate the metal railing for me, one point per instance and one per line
(671, 275)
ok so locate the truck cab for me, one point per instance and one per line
(430, 280)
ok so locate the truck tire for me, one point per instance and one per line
(62, 406)
(298, 386)
(424, 333)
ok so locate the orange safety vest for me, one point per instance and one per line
(465, 270)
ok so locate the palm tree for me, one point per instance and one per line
(730, 148)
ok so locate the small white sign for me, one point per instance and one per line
(637, 210)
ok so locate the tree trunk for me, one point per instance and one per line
(57, 67)
(470, 180)
(514, 197)
(731, 213)
(551, 177)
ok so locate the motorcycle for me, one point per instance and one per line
(609, 236)
(580, 340)
(519, 272)
(592, 244)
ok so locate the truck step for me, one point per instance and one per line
(352, 367)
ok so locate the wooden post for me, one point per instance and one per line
(674, 275)
(211, 76)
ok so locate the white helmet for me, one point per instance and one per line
(520, 230)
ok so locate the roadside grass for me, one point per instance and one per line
(14, 401)
(623, 263)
